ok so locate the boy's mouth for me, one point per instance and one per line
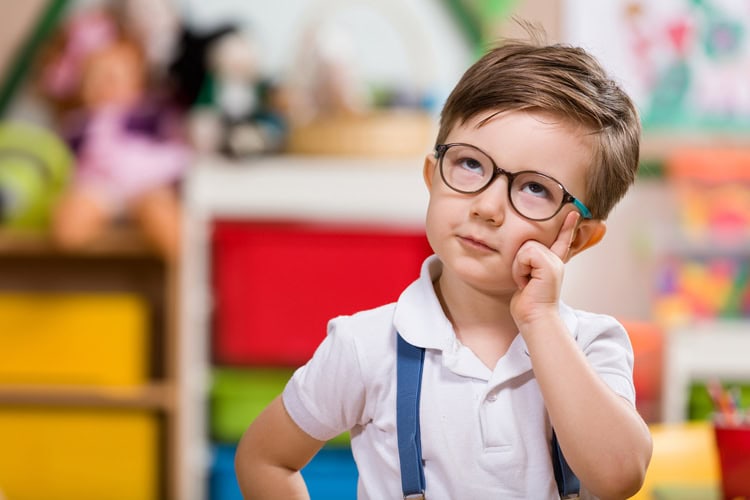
(476, 243)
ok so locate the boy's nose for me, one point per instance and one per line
(491, 204)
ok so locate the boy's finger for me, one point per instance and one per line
(565, 237)
(521, 268)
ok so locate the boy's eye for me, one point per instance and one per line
(472, 165)
(535, 189)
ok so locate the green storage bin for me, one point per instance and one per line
(238, 395)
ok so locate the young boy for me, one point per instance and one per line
(536, 144)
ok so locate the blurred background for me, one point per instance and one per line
(189, 190)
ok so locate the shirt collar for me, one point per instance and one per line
(419, 317)
(421, 321)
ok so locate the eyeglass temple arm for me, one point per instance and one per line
(585, 212)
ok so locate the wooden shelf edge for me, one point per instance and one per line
(657, 145)
(155, 396)
(123, 241)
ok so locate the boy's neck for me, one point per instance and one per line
(482, 322)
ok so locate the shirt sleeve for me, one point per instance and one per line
(607, 347)
(326, 396)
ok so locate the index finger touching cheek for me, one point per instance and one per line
(565, 237)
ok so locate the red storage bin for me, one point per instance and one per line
(276, 284)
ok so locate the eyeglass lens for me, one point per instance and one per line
(533, 195)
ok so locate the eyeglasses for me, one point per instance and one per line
(535, 196)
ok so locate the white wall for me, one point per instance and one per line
(617, 276)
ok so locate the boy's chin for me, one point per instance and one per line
(477, 277)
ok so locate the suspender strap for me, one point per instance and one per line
(409, 362)
(568, 484)
(408, 386)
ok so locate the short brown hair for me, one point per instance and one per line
(565, 81)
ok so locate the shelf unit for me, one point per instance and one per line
(119, 261)
(350, 191)
(658, 145)
(701, 352)
(701, 292)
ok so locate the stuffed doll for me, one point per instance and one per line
(62, 59)
(237, 113)
(175, 53)
(129, 153)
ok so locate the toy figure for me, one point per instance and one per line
(326, 79)
(65, 55)
(237, 112)
(129, 153)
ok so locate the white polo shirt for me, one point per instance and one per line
(485, 433)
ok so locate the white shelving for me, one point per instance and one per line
(700, 352)
(361, 191)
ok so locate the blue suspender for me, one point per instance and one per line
(568, 484)
(409, 362)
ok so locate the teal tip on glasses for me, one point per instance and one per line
(585, 212)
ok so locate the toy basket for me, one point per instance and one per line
(387, 133)
(326, 61)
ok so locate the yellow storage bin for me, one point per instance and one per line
(73, 338)
(684, 459)
(75, 454)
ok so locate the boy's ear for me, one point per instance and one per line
(588, 233)
(428, 171)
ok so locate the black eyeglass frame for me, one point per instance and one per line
(441, 149)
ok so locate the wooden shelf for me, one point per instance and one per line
(657, 146)
(121, 260)
(117, 241)
(155, 396)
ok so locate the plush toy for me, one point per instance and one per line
(237, 113)
(187, 71)
(129, 152)
(63, 58)
(35, 167)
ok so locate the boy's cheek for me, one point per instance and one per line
(555, 231)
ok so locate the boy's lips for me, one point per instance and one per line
(475, 242)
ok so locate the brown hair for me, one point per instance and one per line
(565, 81)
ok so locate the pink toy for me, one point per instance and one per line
(127, 145)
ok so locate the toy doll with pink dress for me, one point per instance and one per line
(129, 147)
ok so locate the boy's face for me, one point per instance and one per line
(478, 235)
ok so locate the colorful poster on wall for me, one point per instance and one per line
(686, 62)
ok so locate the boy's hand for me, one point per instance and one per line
(538, 272)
